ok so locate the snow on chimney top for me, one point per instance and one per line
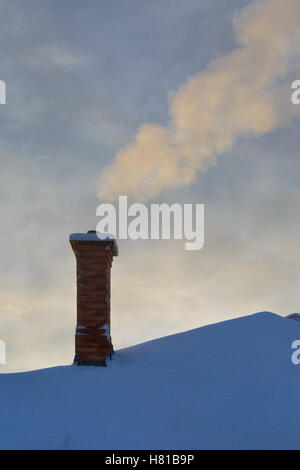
(94, 254)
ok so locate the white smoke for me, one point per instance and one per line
(243, 93)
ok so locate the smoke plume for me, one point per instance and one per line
(244, 93)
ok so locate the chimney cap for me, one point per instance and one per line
(94, 236)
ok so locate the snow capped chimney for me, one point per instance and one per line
(94, 255)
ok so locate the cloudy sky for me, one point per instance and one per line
(166, 101)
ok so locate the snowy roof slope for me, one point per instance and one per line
(227, 385)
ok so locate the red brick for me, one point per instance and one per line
(93, 300)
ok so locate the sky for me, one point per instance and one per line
(87, 84)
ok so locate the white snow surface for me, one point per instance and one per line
(230, 385)
(94, 237)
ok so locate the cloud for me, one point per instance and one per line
(46, 57)
(244, 93)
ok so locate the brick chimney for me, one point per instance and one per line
(94, 258)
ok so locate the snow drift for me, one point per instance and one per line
(230, 385)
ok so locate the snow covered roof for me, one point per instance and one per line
(231, 385)
(294, 316)
(93, 236)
